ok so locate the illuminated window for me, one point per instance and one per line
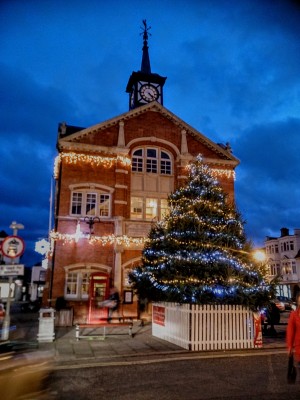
(137, 207)
(85, 203)
(151, 208)
(164, 208)
(148, 208)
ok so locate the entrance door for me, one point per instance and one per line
(99, 291)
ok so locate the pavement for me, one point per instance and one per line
(117, 346)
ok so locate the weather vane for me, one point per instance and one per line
(145, 30)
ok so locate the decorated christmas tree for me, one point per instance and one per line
(198, 253)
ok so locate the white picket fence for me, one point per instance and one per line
(205, 327)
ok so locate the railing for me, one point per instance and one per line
(206, 327)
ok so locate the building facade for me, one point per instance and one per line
(112, 182)
(283, 257)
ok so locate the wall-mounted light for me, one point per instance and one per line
(91, 221)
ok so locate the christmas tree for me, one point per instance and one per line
(198, 253)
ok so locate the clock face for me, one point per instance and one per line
(149, 92)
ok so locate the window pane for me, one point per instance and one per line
(151, 153)
(104, 205)
(165, 167)
(137, 164)
(91, 204)
(151, 208)
(164, 155)
(76, 203)
(164, 208)
(71, 284)
(136, 207)
(151, 165)
(85, 285)
(137, 160)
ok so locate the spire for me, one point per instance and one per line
(145, 67)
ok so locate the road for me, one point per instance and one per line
(242, 377)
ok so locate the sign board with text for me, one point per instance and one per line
(11, 269)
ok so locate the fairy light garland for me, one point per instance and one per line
(102, 240)
(75, 158)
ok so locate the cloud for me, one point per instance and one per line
(267, 186)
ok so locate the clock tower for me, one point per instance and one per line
(143, 86)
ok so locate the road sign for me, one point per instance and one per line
(11, 269)
(13, 246)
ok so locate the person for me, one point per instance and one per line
(112, 303)
(114, 299)
(293, 332)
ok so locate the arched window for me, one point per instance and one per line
(152, 160)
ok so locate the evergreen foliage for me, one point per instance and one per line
(198, 253)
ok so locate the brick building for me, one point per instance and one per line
(112, 182)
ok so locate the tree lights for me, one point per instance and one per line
(198, 253)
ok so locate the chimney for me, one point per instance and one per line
(284, 232)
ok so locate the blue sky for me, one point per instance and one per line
(233, 73)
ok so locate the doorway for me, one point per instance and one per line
(98, 292)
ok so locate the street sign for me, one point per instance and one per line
(13, 246)
(11, 269)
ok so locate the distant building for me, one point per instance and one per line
(283, 257)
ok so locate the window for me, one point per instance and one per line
(137, 207)
(137, 161)
(77, 285)
(76, 203)
(148, 208)
(164, 208)
(90, 203)
(291, 245)
(151, 160)
(104, 205)
(165, 163)
(151, 208)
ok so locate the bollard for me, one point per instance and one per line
(77, 332)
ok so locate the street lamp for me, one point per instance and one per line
(259, 256)
(91, 221)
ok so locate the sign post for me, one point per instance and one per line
(12, 247)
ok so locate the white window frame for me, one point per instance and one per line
(81, 279)
(161, 164)
(97, 210)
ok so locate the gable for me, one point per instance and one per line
(151, 123)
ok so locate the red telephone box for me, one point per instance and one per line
(99, 291)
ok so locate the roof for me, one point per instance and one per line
(66, 140)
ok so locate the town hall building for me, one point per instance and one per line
(112, 182)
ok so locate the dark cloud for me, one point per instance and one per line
(233, 74)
